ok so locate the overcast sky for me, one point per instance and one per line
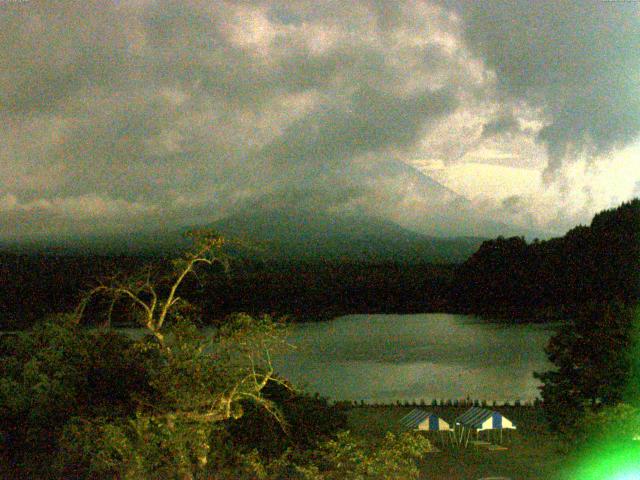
(126, 114)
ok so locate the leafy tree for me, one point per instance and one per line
(198, 380)
(593, 359)
(232, 365)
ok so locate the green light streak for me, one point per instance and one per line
(614, 454)
(616, 461)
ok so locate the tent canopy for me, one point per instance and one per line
(482, 419)
(418, 419)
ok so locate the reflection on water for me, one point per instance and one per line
(383, 358)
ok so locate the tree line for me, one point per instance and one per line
(508, 277)
(35, 286)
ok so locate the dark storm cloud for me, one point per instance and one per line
(173, 107)
(183, 110)
(368, 121)
(578, 61)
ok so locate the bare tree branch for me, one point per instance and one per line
(207, 250)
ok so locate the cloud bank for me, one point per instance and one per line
(578, 62)
(153, 114)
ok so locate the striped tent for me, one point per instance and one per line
(480, 419)
(418, 419)
(428, 422)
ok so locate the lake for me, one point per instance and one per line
(384, 358)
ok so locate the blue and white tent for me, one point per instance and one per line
(418, 419)
(480, 419)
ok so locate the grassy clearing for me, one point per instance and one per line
(532, 453)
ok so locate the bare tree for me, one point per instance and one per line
(142, 290)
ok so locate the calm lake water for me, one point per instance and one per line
(384, 358)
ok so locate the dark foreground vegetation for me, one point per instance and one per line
(92, 403)
(80, 403)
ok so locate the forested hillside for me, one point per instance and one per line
(510, 277)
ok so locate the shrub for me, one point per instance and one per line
(58, 371)
(348, 458)
(307, 420)
(620, 421)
